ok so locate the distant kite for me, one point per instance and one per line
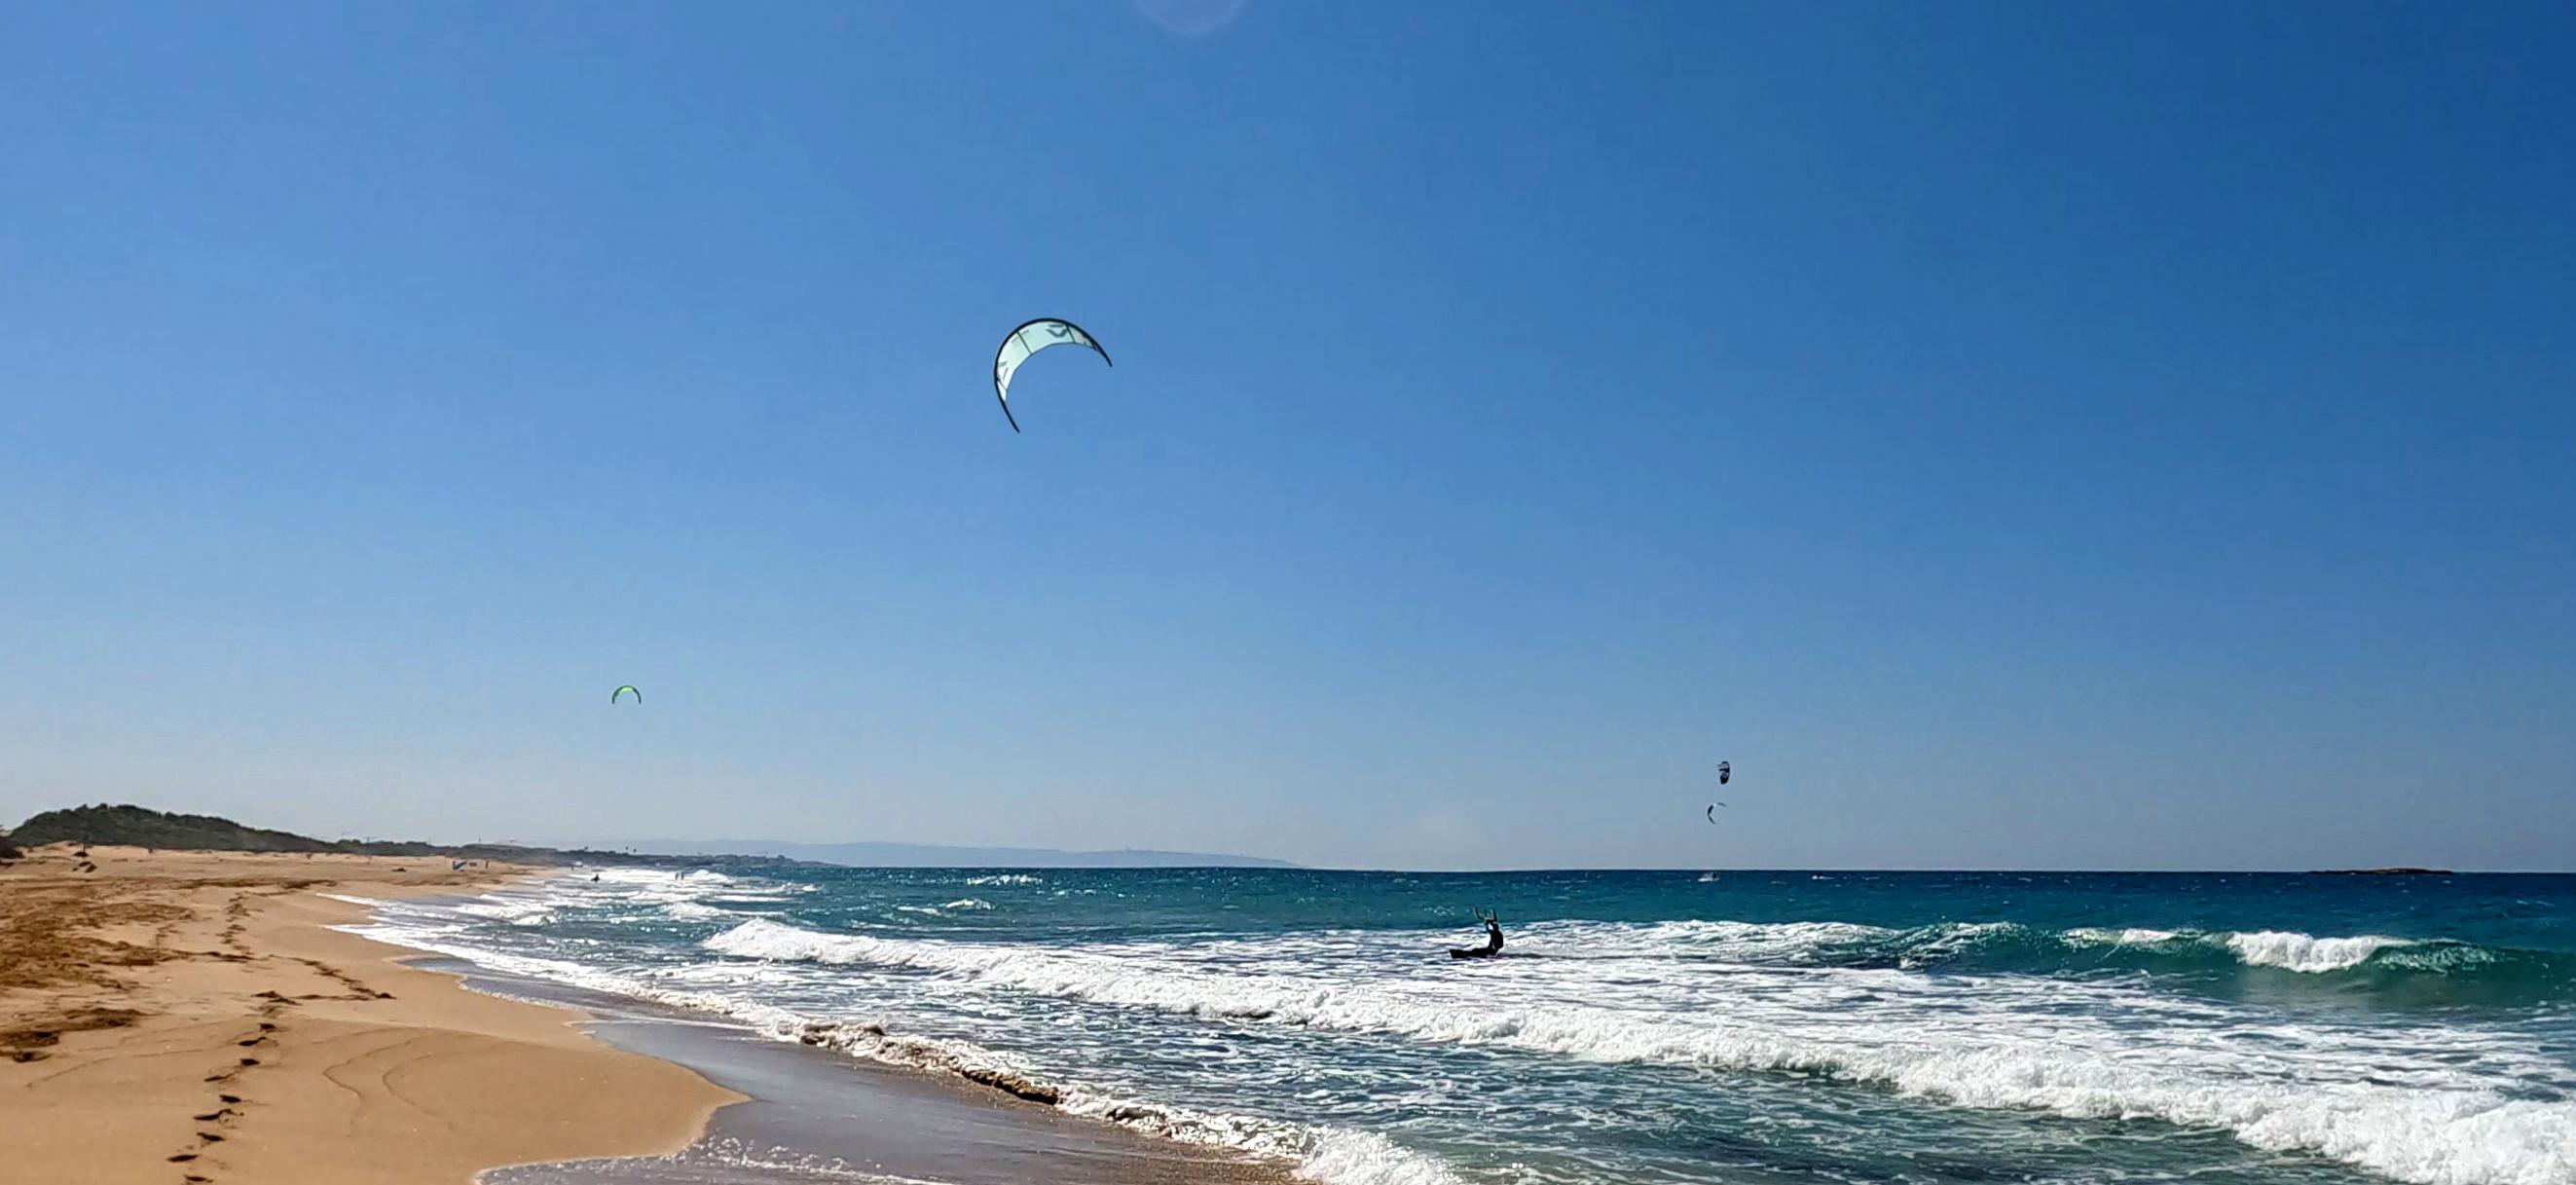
(1724, 771)
(1029, 338)
(612, 696)
(1712, 811)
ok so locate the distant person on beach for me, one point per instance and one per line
(1493, 940)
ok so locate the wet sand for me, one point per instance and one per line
(816, 1115)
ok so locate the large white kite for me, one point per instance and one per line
(1029, 338)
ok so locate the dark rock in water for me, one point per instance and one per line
(1010, 1083)
(836, 1035)
(2382, 872)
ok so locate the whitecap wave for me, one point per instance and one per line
(1335, 1156)
(515, 912)
(2442, 1128)
(2429, 1104)
(2133, 936)
(2301, 952)
(1339, 1156)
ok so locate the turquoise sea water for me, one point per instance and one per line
(1652, 1026)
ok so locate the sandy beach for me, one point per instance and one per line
(194, 1017)
(191, 1017)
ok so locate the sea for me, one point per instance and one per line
(1678, 1026)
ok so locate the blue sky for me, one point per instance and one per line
(2065, 435)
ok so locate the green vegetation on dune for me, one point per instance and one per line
(137, 826)
(146, 828)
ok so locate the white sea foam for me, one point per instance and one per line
(2431, 1104)
(657, 886)
(1003, 878)
(1803, 942)
(2282, 949)
(2133, 936)
(1942, 943)
(2123, 1054)
(2300, 952)
(1790, 942)
(1336, 1156)
(518, 912)
(1339, 1156)
(968, 903)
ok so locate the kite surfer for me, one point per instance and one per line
(1493, 940)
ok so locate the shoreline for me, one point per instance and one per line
(198, 1018)
(195, 1018)
(813, 1113)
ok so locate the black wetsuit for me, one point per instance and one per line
(1493, 944)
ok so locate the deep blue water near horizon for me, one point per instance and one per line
(1653, 1026)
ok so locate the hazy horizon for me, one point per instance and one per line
(741, 846)
(2013, 437)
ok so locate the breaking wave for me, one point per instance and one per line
(2436, 1129)
(2399, 970)
(1332, 1155)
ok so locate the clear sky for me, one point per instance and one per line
(2040, 435)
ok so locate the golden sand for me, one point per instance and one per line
(189, 1017)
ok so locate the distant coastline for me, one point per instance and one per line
(913, 855)
(147, 828)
